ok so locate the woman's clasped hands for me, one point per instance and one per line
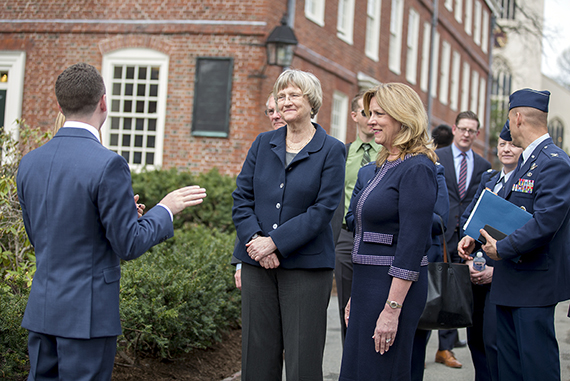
(262, 250)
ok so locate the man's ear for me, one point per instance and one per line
(103, 103)
(59, 108)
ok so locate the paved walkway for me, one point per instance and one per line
(434, 371)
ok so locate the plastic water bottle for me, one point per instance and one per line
(479, 262)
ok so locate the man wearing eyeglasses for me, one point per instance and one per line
(360, 152)
(463, 170)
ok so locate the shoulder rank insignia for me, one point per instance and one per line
(554, 154)
(490, 170)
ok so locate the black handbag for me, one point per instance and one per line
(449, 301)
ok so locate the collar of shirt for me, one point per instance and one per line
(85, 126)
(457, 152)
(373, 145)
(528, 151)
(507, 175)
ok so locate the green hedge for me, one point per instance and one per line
(181, 295)
(13, 338)
(214, 212)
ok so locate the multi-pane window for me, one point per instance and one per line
(474, 90)
(454, 95)
(12, 66)
(315, 11)
(136, 97)
(425, 57)
(500, 91)
(556, 131)
(372, 29)
(485, 32)
(396, 20)
(345, 24)
(449, 5)
(477, 23)
(339, 116)
(482, 98)
(444, 74)
(468, 16)
(465, 87)
(507, 9)
(435, 65)
(458, 10)
(412, 43)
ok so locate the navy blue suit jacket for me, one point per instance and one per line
(541, 276)
(292, 204)
(457, 205)
(441, 208)
(79, 213)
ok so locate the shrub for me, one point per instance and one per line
(13, 338)
(214, 212)
(181, 295)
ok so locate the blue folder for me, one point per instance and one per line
(496, 212)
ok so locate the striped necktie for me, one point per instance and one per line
(462, 183)
(366, 155)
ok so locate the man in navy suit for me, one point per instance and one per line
(463, 169)
(532, 266)
(80, 216)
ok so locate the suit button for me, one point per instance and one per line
(278, 205)
(274, 226)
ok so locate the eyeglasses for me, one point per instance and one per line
(463, 130)
(292, 97)
(270, 112)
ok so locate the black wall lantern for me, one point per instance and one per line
(281, 45)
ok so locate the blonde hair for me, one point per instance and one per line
(307, 82)
(59, 121)
(405, 106)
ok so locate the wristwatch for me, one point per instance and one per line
(393, 304)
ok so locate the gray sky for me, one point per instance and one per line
(557, 26)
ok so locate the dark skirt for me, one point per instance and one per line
(370, 287)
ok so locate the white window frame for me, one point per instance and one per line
(474, 90)
(482, 96)
(459, 10)
(449, 5)
(137, 57)
(424, 79)
(468, 16)
(454, 94)
(477, 23)
(315, 11)
(396, 23)
(345, 22)
(485, 32)
(372, 44)
(434, 63)
(13, 62)
(339, 116)
(444, 73)
(466, 76)
(412, 45)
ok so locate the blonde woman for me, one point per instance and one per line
(393, 220)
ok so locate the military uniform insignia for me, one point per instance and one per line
(554, 154)
(524, 186)
(533, 166)
(529, 174)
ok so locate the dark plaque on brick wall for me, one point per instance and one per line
(212, 96)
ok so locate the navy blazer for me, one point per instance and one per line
(457, 205)
(292, 204)
(488, 180)
(541, 276)
(79, 213)
(441, 208)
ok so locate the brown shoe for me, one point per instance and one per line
(447, 358)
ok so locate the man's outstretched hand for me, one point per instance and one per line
(182, 198)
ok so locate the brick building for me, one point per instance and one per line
(187, 80)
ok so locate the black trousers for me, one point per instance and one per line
(284, 310)
(343, 274)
